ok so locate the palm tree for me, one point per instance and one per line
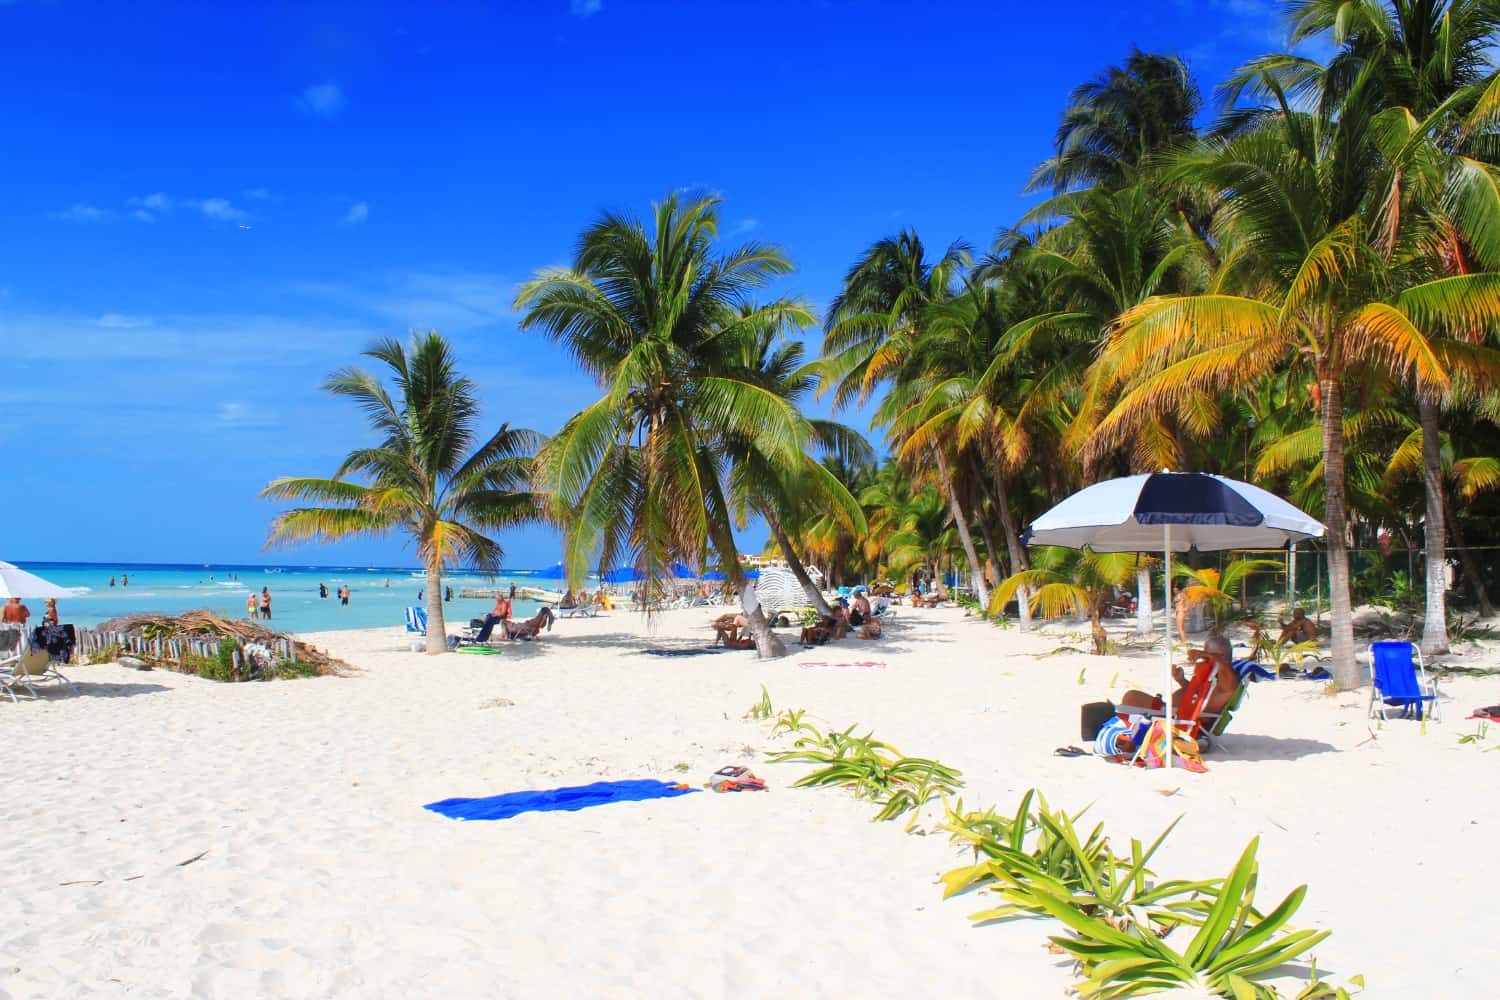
(872, 329)
(662, 320)
(1302, 286)
(1119, 119)
(1072, 581)
(1425, 64)
(1215, 588)
(424, 478)
(787, 495)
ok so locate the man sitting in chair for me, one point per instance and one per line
(499, 615)
(1115, 736)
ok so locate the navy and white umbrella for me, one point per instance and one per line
(1172, 512)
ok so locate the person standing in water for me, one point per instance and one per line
(124, 580)
(323, 591)
(344, 595)
(265, 603)
(252, 606)
(111, 581)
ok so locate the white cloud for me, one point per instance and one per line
(244, 415)
(262, 194)
(585, 8)
(79, 212)
(119, 321)
(324, 99)
(157, 202)
(358, 212)
(744, 226)
(219, 210)
(452, 303)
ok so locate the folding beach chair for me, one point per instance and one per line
(25, 668)
(416, 621)
(1213, 724)
(12, 649)
(1188, 719)
(1398, 679)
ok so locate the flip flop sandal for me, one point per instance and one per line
(1070, 752)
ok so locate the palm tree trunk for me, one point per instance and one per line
(1013, 546)
(1435, 625)
(961, 522)
(767, 645)
(798, 570)
(437, 629)
(1466, 560)
(1143, 600)
(1345, 669)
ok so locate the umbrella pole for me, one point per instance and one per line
(1166, 586)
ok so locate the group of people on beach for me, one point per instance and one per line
(258, 605)
(16, 613)
(846, 617)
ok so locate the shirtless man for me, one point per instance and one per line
(1115, 733)
(1299, 629)
(861, 613)
(14, 612)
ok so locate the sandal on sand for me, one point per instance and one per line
(1070, 752)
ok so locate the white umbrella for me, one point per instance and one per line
(16, 582)
(1175, 511)
(778, 589)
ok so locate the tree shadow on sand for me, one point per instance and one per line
(1255, 747)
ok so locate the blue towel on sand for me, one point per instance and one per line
(555, 799)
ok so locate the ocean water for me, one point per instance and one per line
(378, 595)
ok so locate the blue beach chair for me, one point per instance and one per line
(1398, 680)
(416, 621)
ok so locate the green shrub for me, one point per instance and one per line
(289, 669)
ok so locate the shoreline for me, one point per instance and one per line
(325, 877)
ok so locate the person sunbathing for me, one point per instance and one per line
(861, 612)
(870, 629)
(499, 615)
(531, 627)
(1116, 735)
(728, 627)
(816, 635)
(1299, 629)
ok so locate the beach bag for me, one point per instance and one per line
(1185, 751)
(1092, 716)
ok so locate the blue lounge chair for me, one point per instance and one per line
(416, 621)
(1399, 681)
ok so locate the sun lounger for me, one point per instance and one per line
(1398, 680)
(589, 610)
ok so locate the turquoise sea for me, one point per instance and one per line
(378, 595)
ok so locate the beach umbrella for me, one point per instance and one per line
(1173, 512)
(16, 582)
(752, 574)
(622, 574)
(715, 575)
(555, 572)
(778, 589)
(682, 572)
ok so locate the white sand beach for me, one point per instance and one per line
(315, 871)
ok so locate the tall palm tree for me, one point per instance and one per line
(1119, 119)
(1303, 286)
(872, 329)
(425, 477)
(1425, 63)
(662, 318)
(786, 495)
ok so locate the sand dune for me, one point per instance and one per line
(318, 873)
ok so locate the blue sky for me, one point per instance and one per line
(208, 207)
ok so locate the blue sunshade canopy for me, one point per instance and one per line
(623, 574)
(1204, 511)
(555, 572)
